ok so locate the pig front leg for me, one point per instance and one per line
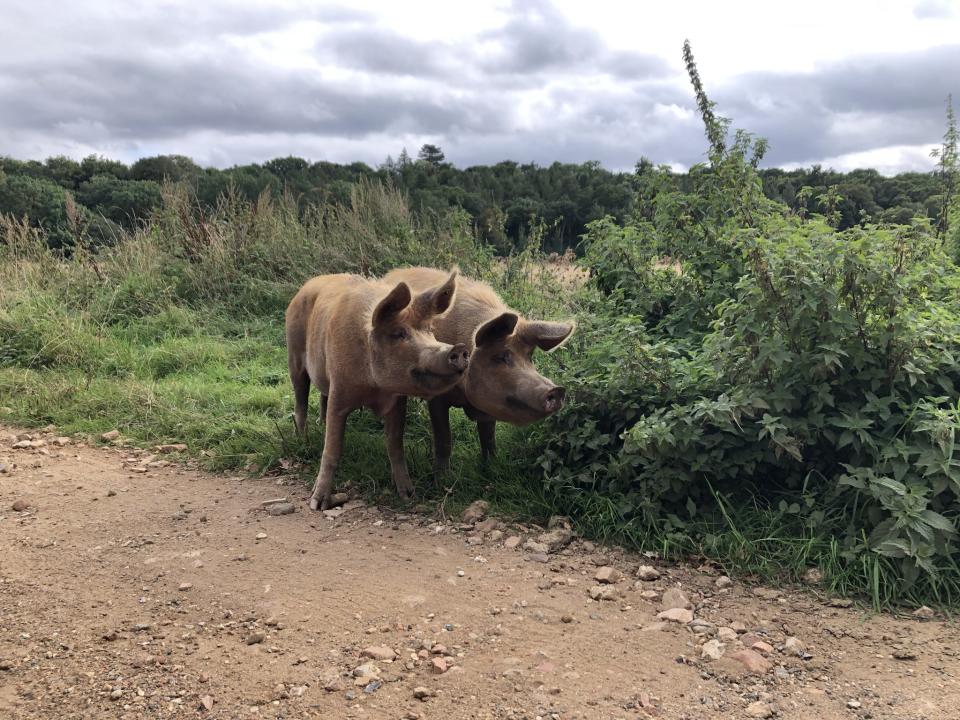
(395, 422)
(487, 430)
(334, 425)
(440, 422)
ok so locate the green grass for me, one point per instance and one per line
(141, 339)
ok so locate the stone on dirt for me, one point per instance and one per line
(511, 542)
(20, 505)
(675, 598)
(110, 436)
(556, 539)
(922, 613)
(723, 582)
(607, 575)
(281, 508)
(421, 693)
(712, 650)
(759, 709)
(603, 592)
(648, 573)
(677, 615)
(255, 638)
(206, 703)
(753, 661)
(379, 652)
(439, 665)
(475, 512)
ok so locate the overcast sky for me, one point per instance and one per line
(845, 83)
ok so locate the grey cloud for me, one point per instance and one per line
(933, 9)
(382, 51)
(851, 106)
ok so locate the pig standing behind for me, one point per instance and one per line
(501, 382)
(367, 343)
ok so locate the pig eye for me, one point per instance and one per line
(503, 358)
(399, 334)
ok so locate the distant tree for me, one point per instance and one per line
(43, 202)
(404, 159)
(164, 167)
(431, 154)
(97, 165)
(287, 167)
(64, 171)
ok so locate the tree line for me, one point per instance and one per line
(506, 201)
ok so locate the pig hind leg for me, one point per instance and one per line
(395, 422)
(301, 392)
(487, 429)
(442, 442)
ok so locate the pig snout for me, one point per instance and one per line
(459, 357)
(553, 399)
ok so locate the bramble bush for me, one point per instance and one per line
(774, 373)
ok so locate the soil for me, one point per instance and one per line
(134, 586)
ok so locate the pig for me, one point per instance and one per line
(501, 382)
(368, 343)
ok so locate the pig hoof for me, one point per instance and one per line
(314, 503)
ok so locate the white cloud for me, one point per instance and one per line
(533, 80)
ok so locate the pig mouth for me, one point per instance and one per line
(516, 403)
(429, 377)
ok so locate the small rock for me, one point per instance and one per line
(726, 634)
(495, 536)
(854, 704)
(206, 703)
(738, 627)
(533, 546)
(556, 539)
(841, 602)
(753, 661)
(439, 665)
(371, 687)
(475, 512)
(762, 647)
(4, 469)
(170, 447)
(511, 542)
(379, 652)
(675, 598)
(22, 444)
(567, 619)
(6, 665)
(261, 536)
(20, 505)
(603, 592)
(255, 638)
(282, 508)
(677, 615)
(488, 525)
(110, 436)
(723, 582)
(793, 646)
(607, 574)
(648, 572)
(333, 684)
(185, 586)
(338, 499)
(116, 694)
(111, 493)
(367, 670)
(759, 709)
(812, 576)
(921, 613)
(712, 650)
(766, 593)
(904, 654)
(421, 693)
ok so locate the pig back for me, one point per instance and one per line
(475, 303)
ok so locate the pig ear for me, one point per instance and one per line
(546, 335)
(500, 327)
(438, 300)
(392, 304)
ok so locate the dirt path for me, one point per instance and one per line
(130, 590)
